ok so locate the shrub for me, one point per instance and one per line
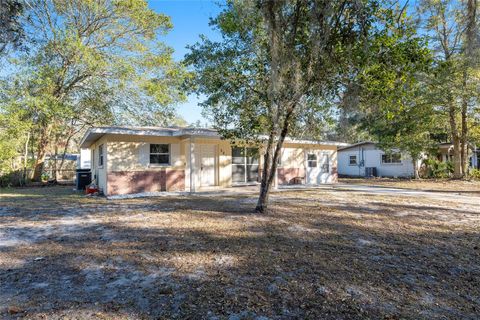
(45, 176)
(437, 169)
(11, 179)
(475, 174)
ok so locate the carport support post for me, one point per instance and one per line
(275, 180)
(192, 164)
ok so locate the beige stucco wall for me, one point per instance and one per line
(294, 155)
(131, 153)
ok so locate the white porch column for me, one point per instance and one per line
(192, 164)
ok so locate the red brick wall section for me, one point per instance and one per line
(175, 180)
(288, 175)
(126, 182)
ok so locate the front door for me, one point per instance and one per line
(318, 167)
(312, 168)
(207, 165)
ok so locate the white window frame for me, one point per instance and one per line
(350, 160)
(101, 157)
(309, 161)
(245, 165)
(390, 156)
(169, 153)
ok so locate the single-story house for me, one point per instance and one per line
(356, 160)
(127, 160)
(367, 159)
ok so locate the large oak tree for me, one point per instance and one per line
(279, 65)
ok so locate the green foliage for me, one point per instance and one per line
(393, 99)
(11, 31)
(474, 174)
(14, 127)
(452, 29)
(438, 169)
(90, 63)
(235, 73)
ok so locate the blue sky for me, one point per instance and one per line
(190, 19)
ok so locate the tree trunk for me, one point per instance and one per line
(271, 162)
(471, 60)
(65, 149)
(416, 174)
(457, 162)
(262, 202)
(268, 175)
(463, 140)
(25, 160)
(41, 152)
(55, 159)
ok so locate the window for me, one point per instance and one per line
(312, 160)
(245, 165)
(352, 161)
(100, 155)
(160, 154)
(392, 158)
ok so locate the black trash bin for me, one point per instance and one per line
(84, 178)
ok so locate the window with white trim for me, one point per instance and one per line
(392, 158)
(160, 154)
(352, 160)
(311, 160)
(245, 164)
(100, 155)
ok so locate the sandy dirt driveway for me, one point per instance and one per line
(333, 253)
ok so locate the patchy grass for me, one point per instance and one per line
(439, 185)
(318, 254)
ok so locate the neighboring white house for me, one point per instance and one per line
(84, 161)
(355, 159)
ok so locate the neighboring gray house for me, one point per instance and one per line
(355, 160)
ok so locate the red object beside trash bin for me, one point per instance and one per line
(90, 190)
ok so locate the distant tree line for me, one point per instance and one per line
(71, 64)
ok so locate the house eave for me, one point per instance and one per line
(95, 133)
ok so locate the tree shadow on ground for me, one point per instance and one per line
(212, 257)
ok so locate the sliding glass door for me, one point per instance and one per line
(245, 165)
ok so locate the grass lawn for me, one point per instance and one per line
(440, 185)
(318, 254)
